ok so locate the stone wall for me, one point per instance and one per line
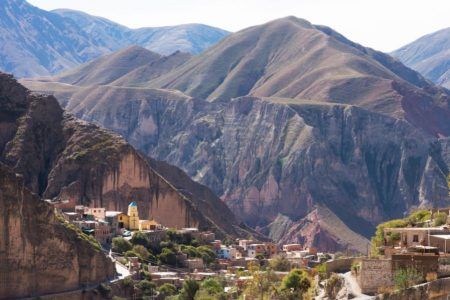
(373, 274)
(340, 265)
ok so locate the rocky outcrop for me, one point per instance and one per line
(38, 254)
(74, 162)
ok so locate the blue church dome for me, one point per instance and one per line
(132, 204)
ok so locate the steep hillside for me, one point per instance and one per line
(292, 58)
(132, 66)
(268, 157)
(65, 159)
(38, 254)
(34, 42)
(430, 56)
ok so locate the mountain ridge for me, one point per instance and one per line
(36, 42)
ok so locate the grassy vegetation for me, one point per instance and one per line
(80, 235)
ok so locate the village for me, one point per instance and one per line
(147, 250)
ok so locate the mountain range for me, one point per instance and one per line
(429, 55)
(307, 136)
(35, 42)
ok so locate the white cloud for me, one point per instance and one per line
(382, 24)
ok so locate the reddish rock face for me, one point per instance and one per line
(39, 255)
(68, 160)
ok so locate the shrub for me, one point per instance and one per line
(280, 263)
(212, 286)
(141, 252)
(419, 216)
(167, 289)
(120, 245)
(405, 278)
(147, 287)
(140, 238)
(167, 256)
(322, 271)
(297, 282)
(207, 254)
(440, 219)
(190, 288)
(333, 285)
(127, 282)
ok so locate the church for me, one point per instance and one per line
(132, 222)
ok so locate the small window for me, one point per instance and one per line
(415, 238)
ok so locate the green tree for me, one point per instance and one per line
(296, 284)
(280, 263)
(191, 251)
(440, 218)
(140, 238)
(405, 278)
(207, 254)
(167, 290)
(263, 285)
(147, 287)
(120, 245)
(168, 257)
(190, 288)
(212, 286)
(142, 252)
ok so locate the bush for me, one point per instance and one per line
(419, 216)
(207, 254)
(440, 219)
(280, 263)
(333, 285)
(190, 288)
(140, 238)
(127, 282)
(141, 252)
(322, 271)
(168, 257)
(297, 282)
(212, 286)
(405, 278)
(121, 245)
(147, 287)
(167, 289)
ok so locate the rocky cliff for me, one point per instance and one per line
(276, 161)
(38, 254)
(74, 162)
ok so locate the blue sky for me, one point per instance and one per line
(382, 24)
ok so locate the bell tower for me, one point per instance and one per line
(133, 216)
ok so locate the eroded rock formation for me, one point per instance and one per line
(65, 159)
(38, 254)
